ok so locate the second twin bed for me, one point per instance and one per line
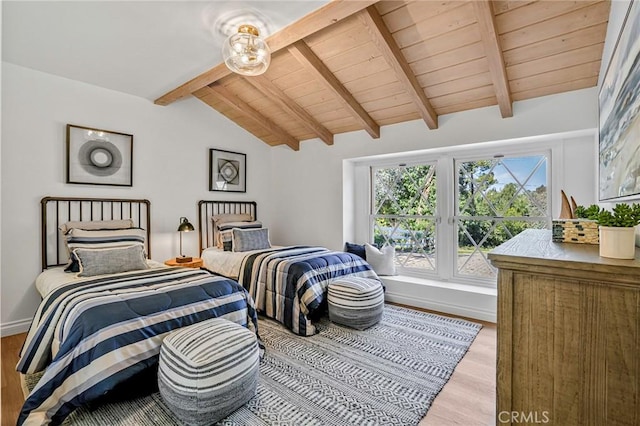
(288, 284)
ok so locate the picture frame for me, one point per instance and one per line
(227, 171)
(619, 115)
(98, 157)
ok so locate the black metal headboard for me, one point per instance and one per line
(58, 210)
(207, 209)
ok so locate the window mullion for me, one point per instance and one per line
(444, 205)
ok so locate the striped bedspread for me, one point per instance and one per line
(94, 334)
(290, 283)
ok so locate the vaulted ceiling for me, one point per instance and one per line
(360, 65)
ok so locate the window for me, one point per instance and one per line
(497, 199)
(485, 199)
(404, 208)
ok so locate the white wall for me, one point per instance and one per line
(170, 168)
(0, 164)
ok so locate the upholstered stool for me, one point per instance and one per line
(355, 302)
(208, 370)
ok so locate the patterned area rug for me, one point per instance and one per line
(386, 375)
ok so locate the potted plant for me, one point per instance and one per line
(617, 230)
(590, 212)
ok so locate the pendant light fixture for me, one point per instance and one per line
(245, 52)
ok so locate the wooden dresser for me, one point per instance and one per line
(568, 334)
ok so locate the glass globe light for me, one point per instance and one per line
(245, 52)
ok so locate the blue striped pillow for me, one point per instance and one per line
(81, 238)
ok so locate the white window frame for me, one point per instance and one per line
(446, 175)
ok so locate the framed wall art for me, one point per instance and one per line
(619, 121)
(99, 157)
(227, 171)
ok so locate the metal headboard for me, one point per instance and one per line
(58, 210)
(207, 209)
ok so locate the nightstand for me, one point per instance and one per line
(196, 262)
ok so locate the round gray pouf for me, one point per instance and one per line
(208, 370)
(355, 302)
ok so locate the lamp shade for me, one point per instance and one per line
(245, 52)
(185, 225)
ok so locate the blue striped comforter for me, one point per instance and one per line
(94, 334)
(290, 283)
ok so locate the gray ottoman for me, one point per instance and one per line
(355, 302)
(208, 370)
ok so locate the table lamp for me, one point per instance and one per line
(185, 226)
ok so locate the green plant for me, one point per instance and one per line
(622, 216)
(590, 212)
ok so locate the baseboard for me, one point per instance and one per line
(439, 306)
(15, 327)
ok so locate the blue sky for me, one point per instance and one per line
(521, 167)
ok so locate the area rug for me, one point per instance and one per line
(388, 374)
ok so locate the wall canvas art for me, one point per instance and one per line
(227, 171)
(99, 157)
(619, 122)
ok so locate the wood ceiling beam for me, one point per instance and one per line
(311, 23)
(314, 65)
(385, 42)
(249, 112)
(493, 51)
(275, 94)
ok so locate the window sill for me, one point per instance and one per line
(465, 300)
(441, 284)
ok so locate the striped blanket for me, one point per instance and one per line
(290, 283)
(93, 334)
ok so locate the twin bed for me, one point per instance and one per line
(100, 326)
(287, 284)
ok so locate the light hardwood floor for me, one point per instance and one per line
(467, 399)
(11, 395)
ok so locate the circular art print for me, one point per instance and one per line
(99, 157)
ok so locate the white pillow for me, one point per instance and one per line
(237, 217)
(382, 261)
(96, 225)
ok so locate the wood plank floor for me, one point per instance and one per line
(467, 399)
(11, 395)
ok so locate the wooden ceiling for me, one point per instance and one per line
(359, 65)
